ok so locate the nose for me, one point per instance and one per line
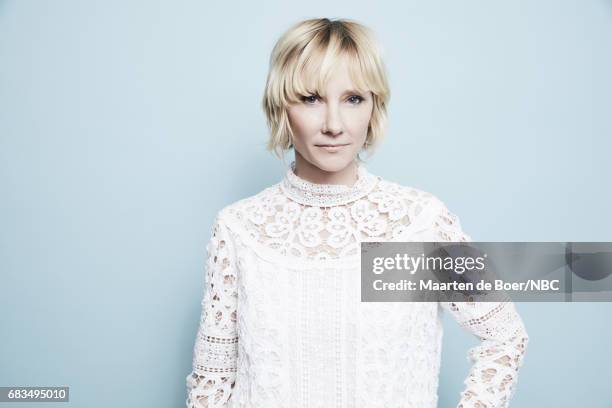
(332, 125)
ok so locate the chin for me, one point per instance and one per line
(333, 164)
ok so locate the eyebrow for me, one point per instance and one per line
(348, 92)
(352, 91)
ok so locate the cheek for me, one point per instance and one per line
(360, 119)
(303, 123)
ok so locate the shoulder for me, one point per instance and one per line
(426, 209)
(254, 207)
(391, 190)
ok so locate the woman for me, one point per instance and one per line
(282, 322)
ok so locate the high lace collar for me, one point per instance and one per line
(326, 195)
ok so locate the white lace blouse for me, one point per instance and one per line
(282, 324)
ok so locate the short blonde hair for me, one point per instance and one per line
(301, 62)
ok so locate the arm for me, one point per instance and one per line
(213, 373)
(496, 360)
(503, 339)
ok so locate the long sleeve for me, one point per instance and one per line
(492, 379)
(213, 373)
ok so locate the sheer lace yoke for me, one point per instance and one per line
(297, 219)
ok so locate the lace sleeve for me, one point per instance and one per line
(213, 374)
(496, 360)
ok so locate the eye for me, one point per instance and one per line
(310, 99)
(355, 99)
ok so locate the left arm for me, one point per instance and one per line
(503, 338)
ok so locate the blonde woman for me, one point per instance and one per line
(282, 323)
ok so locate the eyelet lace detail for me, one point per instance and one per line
(491, 382)
(213, 375)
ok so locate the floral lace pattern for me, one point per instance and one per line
(214, 356)
(272, 335)
(496, 361)
(382, 211)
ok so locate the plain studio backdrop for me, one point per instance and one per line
(126, 125)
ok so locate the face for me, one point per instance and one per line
(329, 132)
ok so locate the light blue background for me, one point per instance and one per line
(126, 125)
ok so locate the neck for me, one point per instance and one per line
(309, 172)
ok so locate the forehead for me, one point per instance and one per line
(339, 78)
(334, 75)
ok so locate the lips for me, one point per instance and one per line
(332, 148)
